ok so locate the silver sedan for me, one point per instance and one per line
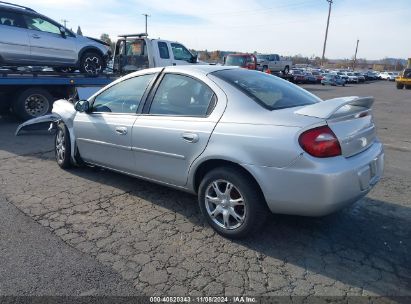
(245, 142)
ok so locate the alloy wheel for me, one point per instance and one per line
(92, 65)
(60, 146)
(225, 204)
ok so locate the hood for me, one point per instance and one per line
(98, 41)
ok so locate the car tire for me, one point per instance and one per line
(343, 84)
(91, 63)
(31, 103)
(286, 70)
(265, 68)
(400, 86)
(62, 146)
(408, 87)
(251, 214)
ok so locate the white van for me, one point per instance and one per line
(136, 52)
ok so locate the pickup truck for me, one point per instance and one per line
(274, 63)
(136, 52)
(31, 94)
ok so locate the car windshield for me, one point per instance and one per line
(263, 57)
(236, 60)
(271, 92)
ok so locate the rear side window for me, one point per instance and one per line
(163, 50)
(179, 95)
(269, 91)
(11, 19)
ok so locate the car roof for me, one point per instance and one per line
(15, 8)
(199, 68)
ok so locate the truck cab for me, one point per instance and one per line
(136, 52)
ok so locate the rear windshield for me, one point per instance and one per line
(269, 91)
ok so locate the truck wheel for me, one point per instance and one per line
(91, 63)
(4, 104)
(408, 87)
(31, 103)
(265, 68)
(286, 70)
(400, 86)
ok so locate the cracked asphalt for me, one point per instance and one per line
(155, 239)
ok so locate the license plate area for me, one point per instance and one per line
(369, 175)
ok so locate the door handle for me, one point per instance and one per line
(121, 130)
(190, 137)
(35, 36)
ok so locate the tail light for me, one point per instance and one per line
(320, 142)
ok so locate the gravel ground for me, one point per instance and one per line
(155, 238)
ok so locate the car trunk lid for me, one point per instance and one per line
(351, 120)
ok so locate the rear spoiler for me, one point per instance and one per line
(327, 108)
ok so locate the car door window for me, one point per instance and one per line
(11, 19)
(123, 97)
(179, 95)
(40, 24)
(180, 52)
(163, 50)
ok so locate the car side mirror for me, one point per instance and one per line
(63, 32)
(82, 106)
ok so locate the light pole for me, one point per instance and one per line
(355, 55)
(65, 22)
(330, 2)
(146, 15)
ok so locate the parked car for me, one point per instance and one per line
(360, 76)
(318, 75)
(370, 75)
(244, 141)
(352, 78)
(138, 51)
(297, 76)
(342, 76)
(333, 80)
(310, 78)
(28, 38)
(273, 62)
(247, 61)
(388, 76)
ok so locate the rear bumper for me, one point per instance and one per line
(316, 187)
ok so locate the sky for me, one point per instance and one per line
(286, 27)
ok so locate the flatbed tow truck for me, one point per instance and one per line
(31, 94)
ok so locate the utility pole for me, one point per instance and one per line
(330, 2)
(146, 15)
(65, 22)
(355, 55)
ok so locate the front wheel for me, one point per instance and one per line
(286, 70)
(91, 63)
(400, 86)
(232, 203)
(62, 146)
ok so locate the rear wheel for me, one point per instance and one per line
(265, 68)
(62, 146)
(408, 87)
(286, 70)
(400, 86)
(232, 204)
(92, 63)
(32, 102)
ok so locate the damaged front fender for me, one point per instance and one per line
(63, 110)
